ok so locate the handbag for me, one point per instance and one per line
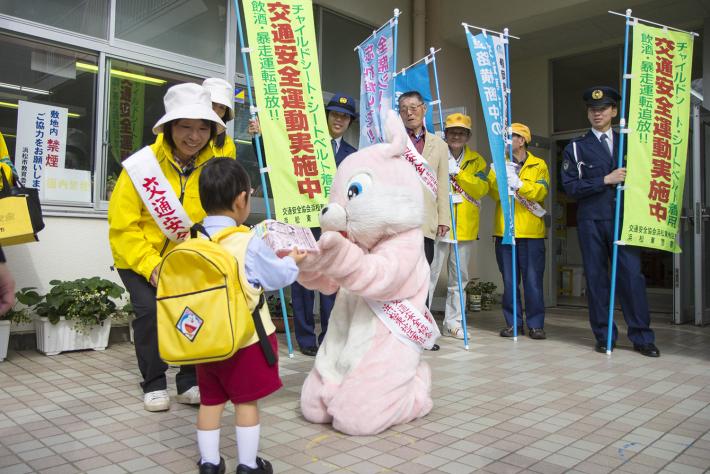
(20, 213)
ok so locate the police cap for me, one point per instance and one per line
(599, 96)
(344, 104)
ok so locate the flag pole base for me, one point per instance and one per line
(608, 352)
(466, 347)
(515, 339)
(290, 355)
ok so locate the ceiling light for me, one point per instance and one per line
(15, 87)
(122, 74)
(10, 105)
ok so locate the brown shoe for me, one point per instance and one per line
(537, 333)
(508, 332)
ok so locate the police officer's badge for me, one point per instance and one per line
(343, 100)
(597, 94)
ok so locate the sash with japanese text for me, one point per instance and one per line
(488, 56)
(659, 116)
(287, 86)
(376, 85)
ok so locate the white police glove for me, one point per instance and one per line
(453, 167)
(514, 181)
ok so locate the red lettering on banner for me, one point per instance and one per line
(661, 148)
(286, 54)
(309, 186)
(664, 46)
(290, 77)
(282, 33)
(664, 67)
(661, 169)
(162, 207)
(662, 128)
(292, 98)
(279, 11)
(296, 120)
(53, 145)
(305, 165)
(658, 210)
(173, 224)
(664, 86)
(299, 142)
(660, 191)
(663, 107)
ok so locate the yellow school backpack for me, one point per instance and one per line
(203, 314)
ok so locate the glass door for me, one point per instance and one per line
(691, 275)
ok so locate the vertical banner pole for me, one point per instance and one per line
(432, 51)
(619, 187)
(514, 257)
(394, 54)
(262, 169)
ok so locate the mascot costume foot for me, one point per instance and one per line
(368, 374)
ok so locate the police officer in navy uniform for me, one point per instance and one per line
(590, 175)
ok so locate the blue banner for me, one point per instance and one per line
(376, 85)
(416, 78)
(488, 56)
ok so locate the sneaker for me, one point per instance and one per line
(508, 332)
(157, 400)
(262, 467)
(209, 468)
(189, 397)
(455, 332)
(536, 333)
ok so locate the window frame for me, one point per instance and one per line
(122, 50)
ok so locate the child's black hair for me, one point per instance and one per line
(221, 181)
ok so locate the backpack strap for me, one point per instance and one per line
(199, 228)
(261, 332)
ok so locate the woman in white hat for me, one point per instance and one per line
(138, 240)
(222, 94)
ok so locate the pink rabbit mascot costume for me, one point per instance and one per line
(368, 374)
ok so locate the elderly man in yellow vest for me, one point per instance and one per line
(529, 179)
(468, 183)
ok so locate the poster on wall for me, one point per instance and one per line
(41, 141)
(40, 153)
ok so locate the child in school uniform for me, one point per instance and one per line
(245, 377)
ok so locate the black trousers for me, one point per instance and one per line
(429, 254)
(429, 249)
(145, 335)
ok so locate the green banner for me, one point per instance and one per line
(284, 63)
(659, 116)
(125, 117)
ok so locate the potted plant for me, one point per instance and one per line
(76, 315)
(27, 297)
(473, 295)
(274, 303)
(480, 295)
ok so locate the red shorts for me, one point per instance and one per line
(242, 378)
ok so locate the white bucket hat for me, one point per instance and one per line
(188, 101)
(222, 92)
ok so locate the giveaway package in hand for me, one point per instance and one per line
(283, 238)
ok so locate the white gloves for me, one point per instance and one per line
(453, 167)
(514, 181)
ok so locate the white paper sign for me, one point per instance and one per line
(41, 141)
(67, 185)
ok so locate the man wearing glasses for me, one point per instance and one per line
(435, 153)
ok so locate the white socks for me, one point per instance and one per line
(247, 444)
(208, 442)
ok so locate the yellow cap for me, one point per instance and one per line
(458, 120)
(522, 130)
